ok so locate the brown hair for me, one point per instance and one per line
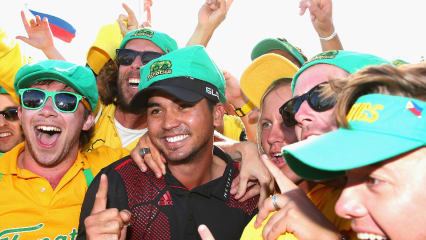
(407, 81)
(276, 84)
(107, 82)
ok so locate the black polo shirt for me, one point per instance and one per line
(164, 209)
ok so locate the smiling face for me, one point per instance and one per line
(387, 199)
(274, 134)
(180, 130)
(50, 135)
(309, 121)
(129, 76)
(10, 130)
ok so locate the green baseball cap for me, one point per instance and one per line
(162, 40)
(380, 127)
(270, 44)
(77, 77)
(349, 61)
(187, 73)
(2, 91)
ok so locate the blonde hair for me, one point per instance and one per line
(408, 81)
(276, 84)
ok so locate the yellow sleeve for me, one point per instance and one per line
(11, 60)
(252, 233)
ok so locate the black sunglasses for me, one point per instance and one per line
(10, 114)
(127, 56)
(289, 109)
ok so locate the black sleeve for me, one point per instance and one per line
(117, 197)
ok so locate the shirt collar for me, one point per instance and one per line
(219, 187)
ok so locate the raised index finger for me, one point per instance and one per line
(101, 195)
(283, 182)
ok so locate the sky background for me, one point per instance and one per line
(387, 28)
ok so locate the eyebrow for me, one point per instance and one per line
(154, 104)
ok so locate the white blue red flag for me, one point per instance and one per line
(414, 108)
(59, 27)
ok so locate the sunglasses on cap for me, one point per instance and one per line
(127, 56)
(66, 102)
(320, 104)
(10, 113)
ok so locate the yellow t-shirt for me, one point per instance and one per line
(31, 209)
(324, 198)
(105, 132)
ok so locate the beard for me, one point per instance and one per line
(123, 95)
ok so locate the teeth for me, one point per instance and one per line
(6, 134)
(48, 129)
(277, 154)
(176, 138)
(370, 236)
(134, 80)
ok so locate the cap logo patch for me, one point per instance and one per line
(364, 112)
(212, 92)
(324, 55)
(414, 109)
(160, 68)
(143, 32)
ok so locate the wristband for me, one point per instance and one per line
(242, 111)
(329, 37)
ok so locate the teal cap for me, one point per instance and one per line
(380, 127)
(162, 40)
(190, 70)
(77, 77)
(2, 91)
(351, 62)
(270, 44)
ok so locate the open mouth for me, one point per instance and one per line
(177, 138)
(278, 159)
(5, 134)
(47, 135)
(134, 82)
(371, 236)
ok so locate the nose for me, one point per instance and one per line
(137, 62)
(170, 120)
(304, 114)
(3, 121)
(49, 109)
(276, 134)
(349, 204)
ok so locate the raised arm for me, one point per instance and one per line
(322, 20)
(40, 36)
(210, 16)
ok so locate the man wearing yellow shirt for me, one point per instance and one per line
(44, 179)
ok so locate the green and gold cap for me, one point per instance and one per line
(349, 61)
(270, 44)
(187, 73)
(380, 127)
(79, 78)
(162, 40)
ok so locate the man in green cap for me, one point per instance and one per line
(380, 147)
(43, 179)
(10, 129)
(182, 94)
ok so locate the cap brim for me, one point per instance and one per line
(329, 155)
(140, 100)
(262, 73)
